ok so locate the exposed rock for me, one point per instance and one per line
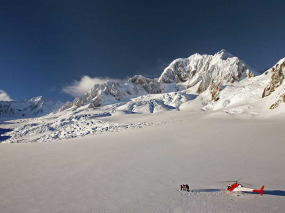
(250, 74)
(80, 101)
(65, 106)
(276, 104)
(149, 85)
(276, 79)
(215, 91)
(96, 102)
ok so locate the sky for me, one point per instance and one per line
(52, 47)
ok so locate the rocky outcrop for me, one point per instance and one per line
(149, 85)
(215, 90)
(65, 106)
(277, 78)
(249, 74)
(277, 103)
(96, 102)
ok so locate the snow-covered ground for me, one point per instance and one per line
(140, 170)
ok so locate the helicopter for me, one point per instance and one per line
(237, 187)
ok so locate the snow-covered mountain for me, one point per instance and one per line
(256, 95)
(34, 107)
(113, 92)
(207, 71)
(219, 82)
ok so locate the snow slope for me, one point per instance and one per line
(140, 170)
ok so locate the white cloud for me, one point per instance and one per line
(4, 96)
(86, 83)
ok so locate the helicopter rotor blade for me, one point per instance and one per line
(248, 184)
(227, 181)
(235, 181)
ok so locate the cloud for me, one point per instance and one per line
(4, 96)
(86, 83)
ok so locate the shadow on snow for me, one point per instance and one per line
(4, 137)
(272, 192)
(265, 192)
(206, 190)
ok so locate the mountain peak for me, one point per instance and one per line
(37, 99)
(224, 54)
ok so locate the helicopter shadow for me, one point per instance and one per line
(206, 190)
(271, 192)
(265, 192)
(274, 192)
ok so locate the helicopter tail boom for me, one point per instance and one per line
(259, 191)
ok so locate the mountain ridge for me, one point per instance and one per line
(229, 86)
(34, 107)
(210, 71)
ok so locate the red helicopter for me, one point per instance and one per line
(236, 187)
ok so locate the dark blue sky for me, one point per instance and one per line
(47, 44)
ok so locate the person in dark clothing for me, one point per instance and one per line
(187, 188)
(184, 187)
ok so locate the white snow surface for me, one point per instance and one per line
(140, 170)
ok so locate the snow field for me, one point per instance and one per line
(140, 170)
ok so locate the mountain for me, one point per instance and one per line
(112, 92)
(254, 96)
(201, 83)
(34, 107)
(208, 71)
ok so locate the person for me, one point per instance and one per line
(187, 187)
(181, 187)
